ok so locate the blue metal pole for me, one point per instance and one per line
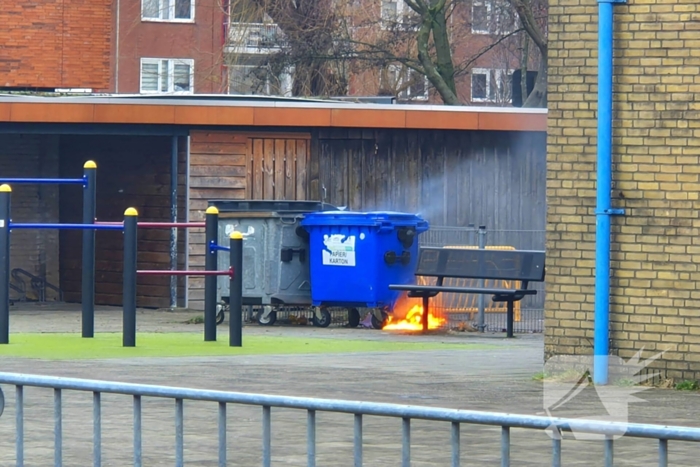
(604, 185)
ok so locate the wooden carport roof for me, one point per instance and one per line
(251, 112)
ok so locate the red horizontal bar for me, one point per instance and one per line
(171, 225)
(165, 272)
(161, 225)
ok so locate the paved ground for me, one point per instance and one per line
(497, 379)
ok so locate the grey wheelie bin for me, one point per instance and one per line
(275, 253)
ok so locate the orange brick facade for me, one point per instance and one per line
(50, 44)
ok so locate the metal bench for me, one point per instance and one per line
(519, 266)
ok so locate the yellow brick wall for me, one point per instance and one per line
(655, 279)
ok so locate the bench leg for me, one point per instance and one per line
(426, 300)
(509, 320)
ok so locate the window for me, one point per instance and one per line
(479, 86)
(242, 79)
(390, 10)
(167, 10)
(492, 17)
(173, 76)
(490, 86)
(258, 79)
(395, 13)
(247, 11)
(480, 17)
(405, 83)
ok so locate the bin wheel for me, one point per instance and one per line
(221, 310)
(353, 317)
(269, 320)
(325, 319)
(379, 323)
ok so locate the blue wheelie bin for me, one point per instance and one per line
(355, 256)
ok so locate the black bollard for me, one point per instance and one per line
(130, 250)
(5, 194)
(235, 330)
(210, 234)
(89, 215)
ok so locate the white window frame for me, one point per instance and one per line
(401, 74)
(402, 11)
(487, 4)
(171, 13)
(493, 22)
(171, 62)
(500, 74)
(285, 79)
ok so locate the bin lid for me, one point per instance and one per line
(279, 206)
(370, 219)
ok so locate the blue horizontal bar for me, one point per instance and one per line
(214, 247)
(66, 226)
(44, 181)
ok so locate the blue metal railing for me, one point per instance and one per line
(407, 413)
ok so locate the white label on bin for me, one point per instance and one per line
(339, 251)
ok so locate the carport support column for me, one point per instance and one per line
(173, 218)
(601, 345)
(88, 281)
(481, 233)
(5, 194)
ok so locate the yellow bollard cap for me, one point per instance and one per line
(90, 165)
(5, 188)
(131, 212)
(212, 210)
(236, 236)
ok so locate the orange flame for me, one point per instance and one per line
(413, 321)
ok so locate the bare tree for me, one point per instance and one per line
(297, 38)
(437, 66)
(532, 15)
(430, 39)
(322, 44)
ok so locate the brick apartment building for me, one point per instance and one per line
(125, 46)
(47, 44)
(209, 47)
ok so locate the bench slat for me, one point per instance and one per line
(435, 288)
(520, 265)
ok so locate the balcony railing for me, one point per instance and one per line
(254, 38)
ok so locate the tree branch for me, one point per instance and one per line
(522, 8)
(443, 52)
(448, 96)
(466, 65)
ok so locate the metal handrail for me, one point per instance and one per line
(39, 284)
(312, 405)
